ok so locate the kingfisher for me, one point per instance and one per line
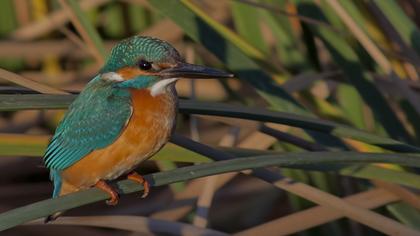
(123, 116)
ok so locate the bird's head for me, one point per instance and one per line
(148, 63)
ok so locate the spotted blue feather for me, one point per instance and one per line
(94, 120)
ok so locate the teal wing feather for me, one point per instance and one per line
(94, 120)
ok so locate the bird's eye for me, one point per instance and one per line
(145, 65)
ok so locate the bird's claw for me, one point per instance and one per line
(112, 201)
(102, 185)
(134, 176)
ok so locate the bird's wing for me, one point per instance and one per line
(94, 120)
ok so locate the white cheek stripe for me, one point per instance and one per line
(160, 86)
(112, 76)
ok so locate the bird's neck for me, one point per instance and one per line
(163, 103)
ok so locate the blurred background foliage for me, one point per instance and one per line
(320, 83)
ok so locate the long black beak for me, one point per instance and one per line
(185, 70)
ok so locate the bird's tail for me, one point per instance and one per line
(60, 188)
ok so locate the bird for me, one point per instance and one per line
(122, 117)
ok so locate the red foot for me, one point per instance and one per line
(102, 185)
(134, 176)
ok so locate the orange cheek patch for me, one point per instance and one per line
(132, 72)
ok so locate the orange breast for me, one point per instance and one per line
(147, 131)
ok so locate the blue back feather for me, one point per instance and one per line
(94, 120)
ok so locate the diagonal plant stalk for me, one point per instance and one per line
(375, 53)
(276, 9)
(254, 140)
(313, 194)
(54, 20)
(175, 212)
(356, 171)
(333, 128)
(205, 199)
(86, 29)
(347, 59)
(27, 83)
(30, 101)
(404, 194)
(40, 209)
(318, 215)
(405, 27)
(138, 224)
(35, 101)
(247, 27)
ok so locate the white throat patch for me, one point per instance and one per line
(112, 76)
(161, 85)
